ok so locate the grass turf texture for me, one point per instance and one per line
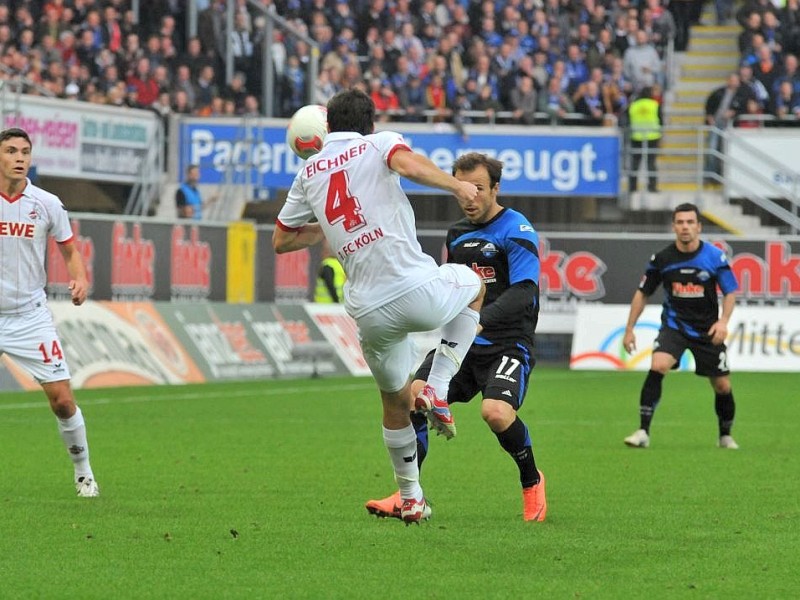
(251, 490)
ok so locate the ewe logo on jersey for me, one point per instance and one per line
(16, 229)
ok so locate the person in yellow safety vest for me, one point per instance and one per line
(330, 279)
(645, 119)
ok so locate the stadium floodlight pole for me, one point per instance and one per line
(228, 46)
(191, 18)
(273, 18)
(267, 89)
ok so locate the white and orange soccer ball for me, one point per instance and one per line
(307, 130)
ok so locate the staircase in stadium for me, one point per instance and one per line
(712, 55)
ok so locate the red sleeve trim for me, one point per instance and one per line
(393, 150)
(69, 240)
(286, 227)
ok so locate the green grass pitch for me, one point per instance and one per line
(256, 490)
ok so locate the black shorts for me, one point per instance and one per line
(709, 360)
(497, 372)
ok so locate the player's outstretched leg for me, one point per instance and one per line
(457, 336)
(437, 411)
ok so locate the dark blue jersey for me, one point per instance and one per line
(690, 282)
(505, 253)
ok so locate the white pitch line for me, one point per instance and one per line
(188, 396)
(535, 379)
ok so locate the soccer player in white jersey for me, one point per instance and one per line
(352, 190)
(28, 216)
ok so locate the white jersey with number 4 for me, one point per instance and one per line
(365, 215)
(26, 221)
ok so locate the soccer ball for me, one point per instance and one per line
(307, 130)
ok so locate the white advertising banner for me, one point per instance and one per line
(82, 140)
(759, 339)
(780, 145)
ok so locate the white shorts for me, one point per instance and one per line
(383, 332)
(32, 341)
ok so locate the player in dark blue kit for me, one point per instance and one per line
(690, 271)
(502, 246)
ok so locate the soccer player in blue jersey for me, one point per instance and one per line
(501, 246)
(690, 271)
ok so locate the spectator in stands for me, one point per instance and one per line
(194, 57)
(617, 76)
(483, 75)
(601, 51)
(205, 89)
(682, 11)
(236, 91)
(180, 103)
(130, 55)
(641, 63)
(759, 91)
(772, 32)
(413, 100)
(72, 91)
(183, 82)
(787, 102)
(326, 85)
(541, 70)
(555, 102)
(789, 73)
(251, 107)
(85, 49)
(751, 118)
(111, 31)
(575, 68)
(162, 78)
(211, 30)
(524, 102)
(765, 70)
(663, 21)
(436, 98)
(146, 87)
(293, 87)
(751, 28)
(722, 107)
(790, 25)
(131, 98)
(589, 103)
(487, 103)
(384, 98)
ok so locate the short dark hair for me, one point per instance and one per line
(351, 110)
(15, 132)
(686, 207)
(472, 160)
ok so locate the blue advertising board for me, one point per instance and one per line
(538, 161)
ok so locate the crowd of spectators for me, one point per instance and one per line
(419, 59)
(766, 87)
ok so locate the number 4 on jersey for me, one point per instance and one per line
(341, 206)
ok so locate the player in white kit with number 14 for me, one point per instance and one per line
(352, 189)
(28, 216)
